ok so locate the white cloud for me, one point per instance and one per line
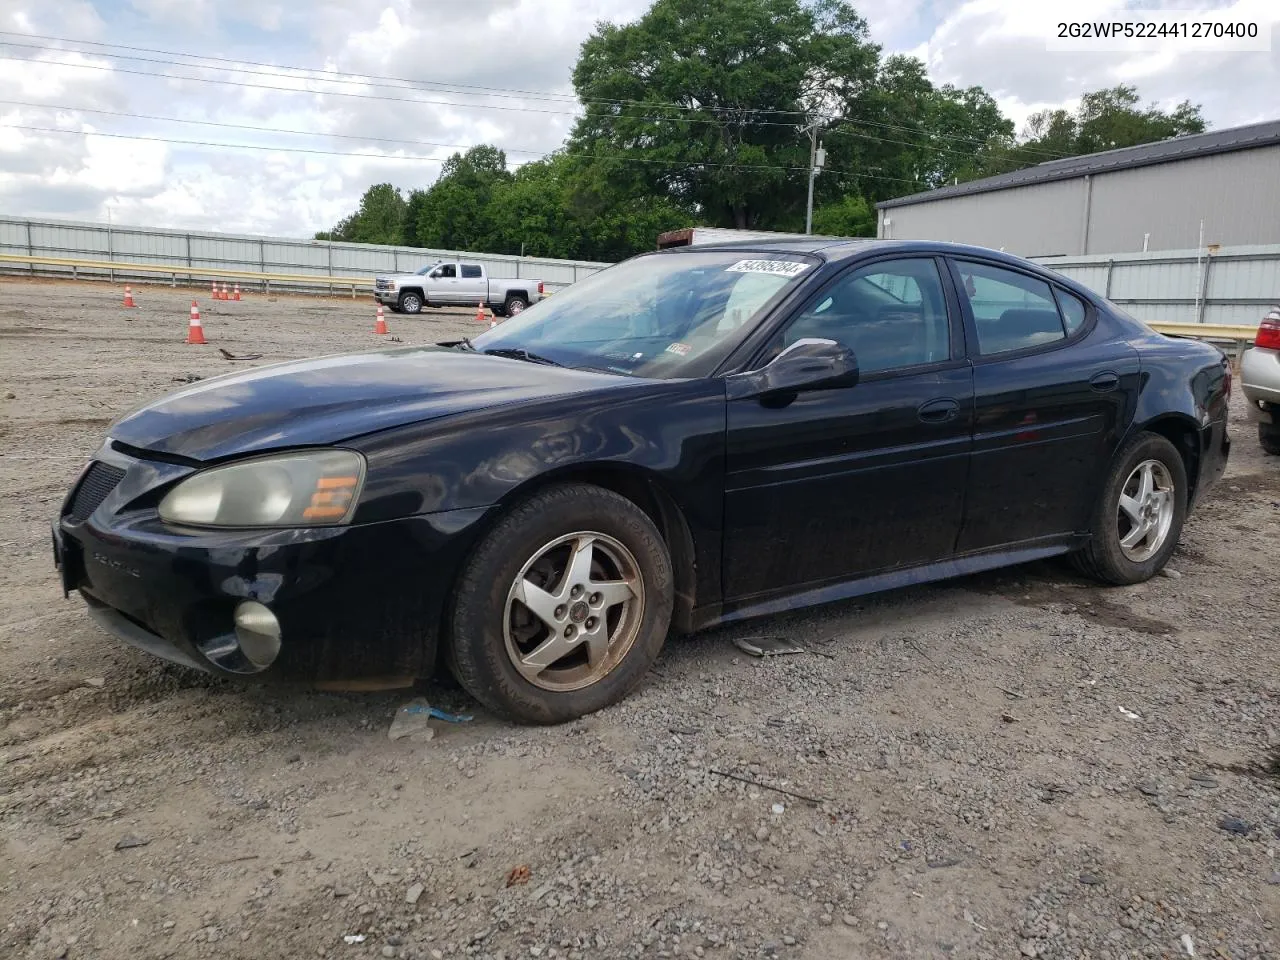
(1001, 45)
(511, 44)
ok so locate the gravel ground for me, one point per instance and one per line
(1018, 764)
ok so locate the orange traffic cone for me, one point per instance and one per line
(195, 331)
(236, 295)
(479, 313)
(380, 326)
(128, 298)
(213, 289)
(225, 294)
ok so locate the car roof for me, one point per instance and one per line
(837, 249)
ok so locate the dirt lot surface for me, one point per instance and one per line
(1018, 764)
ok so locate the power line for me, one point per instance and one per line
(500, 92)
(358, 137)
(447, 85)
(256, 129)
(266, 86)
(420, 159)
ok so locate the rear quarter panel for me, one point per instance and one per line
(1186, 381)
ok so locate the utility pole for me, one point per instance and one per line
(817, 159)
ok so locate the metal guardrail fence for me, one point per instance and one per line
(1217, 285)
(56, 248)
(114, 270)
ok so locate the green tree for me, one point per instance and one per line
(451, 215)
(850, 216)
(380, 218)
(708, 100)
(904, 135)
(529, 212)
(1105, 120)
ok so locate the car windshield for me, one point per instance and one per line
(665, 315)
(427, 269)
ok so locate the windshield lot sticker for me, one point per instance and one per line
(781, 268)
(681, 349)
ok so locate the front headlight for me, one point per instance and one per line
(309, 489)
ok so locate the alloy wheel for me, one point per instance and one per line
(1145, 512)
(574, 611)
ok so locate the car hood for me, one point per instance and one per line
(331, 399)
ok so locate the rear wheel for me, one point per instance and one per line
(410, 303)
(1139, 519)
(514, 305)
(1269, 437)
(563, 606)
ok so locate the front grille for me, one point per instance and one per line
(94, 488)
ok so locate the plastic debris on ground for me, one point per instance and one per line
(779, 808)
(421, 706)
(411, 720)
(1129, 713)
(1188, 945)
(352, 938)
(765, 646)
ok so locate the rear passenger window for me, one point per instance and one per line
(1011, 310)
(470, 270)
(1072, 310)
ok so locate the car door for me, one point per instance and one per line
(1050, 405)
(830, 485)
(472, 287)
(444, 284)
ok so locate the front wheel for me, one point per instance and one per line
(514, 306)
(563, 606)
(1269, 437)
(410, 303)
(1139, 519)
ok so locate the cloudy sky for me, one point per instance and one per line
(82, 94)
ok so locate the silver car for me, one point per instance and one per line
(1260, 380)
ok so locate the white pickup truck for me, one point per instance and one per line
(455, 283)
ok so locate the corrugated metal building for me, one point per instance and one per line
(1151, 197)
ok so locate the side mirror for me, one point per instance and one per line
(809, 364)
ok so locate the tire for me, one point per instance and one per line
(514, 305)
(1269, 437)
(499, 309)
(411, 302)
(393, 307)
(1105, 558)
(491, 627)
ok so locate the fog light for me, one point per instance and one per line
(258, 633)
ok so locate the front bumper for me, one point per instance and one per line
(352, 602)
(387, 297)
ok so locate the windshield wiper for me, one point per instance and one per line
(519, 353)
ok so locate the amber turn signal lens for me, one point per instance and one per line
(332, 498)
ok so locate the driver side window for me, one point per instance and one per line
(446, 271)
(891, 314)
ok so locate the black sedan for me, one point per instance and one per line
(685, 439)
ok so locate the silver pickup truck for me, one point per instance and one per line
(455, 283)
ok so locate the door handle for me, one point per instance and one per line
(1105, 382)
(941, 410)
